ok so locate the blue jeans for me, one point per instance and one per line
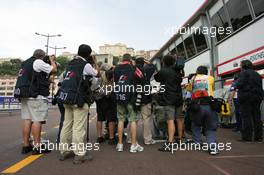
(206, 118)
(238, 117)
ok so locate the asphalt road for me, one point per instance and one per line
(243, 159)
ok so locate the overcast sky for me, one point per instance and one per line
(141, 24)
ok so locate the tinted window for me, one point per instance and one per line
(258, 6)
(200, 42)
(189, 47)
(219, 20)
(239, 13)
(180, 49)
(173, 51)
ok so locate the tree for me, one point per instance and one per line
(63, 61)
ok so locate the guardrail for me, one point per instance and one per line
(10, 105)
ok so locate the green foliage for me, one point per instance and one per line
(10, 67)
(63, 61)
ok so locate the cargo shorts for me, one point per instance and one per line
(126, 112)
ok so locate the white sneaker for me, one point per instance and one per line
(120, 147)
(151, 142)
(129, 140)
(136, 148)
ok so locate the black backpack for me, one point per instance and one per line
(124, 83)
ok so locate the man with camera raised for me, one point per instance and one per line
(32, 89)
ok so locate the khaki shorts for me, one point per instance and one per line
(35, 110)
(172, 112)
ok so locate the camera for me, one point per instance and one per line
(47, 60)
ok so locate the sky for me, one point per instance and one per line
(141, 24)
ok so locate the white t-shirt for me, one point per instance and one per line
(89, 70)
(40, 66)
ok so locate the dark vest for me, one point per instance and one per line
(123, 78)
(31, 83)
(75, 87)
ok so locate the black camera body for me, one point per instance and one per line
(47, 60)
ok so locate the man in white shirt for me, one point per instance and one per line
(34, 106)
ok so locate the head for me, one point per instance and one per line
(140, 62)
(84, 51)
(39, 54)
(236, 76)
(246, 64)
(105, 67)
(203, 70)
(169, 60)
(127, 57)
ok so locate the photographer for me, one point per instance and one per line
(32, 88)
(170, 76)
(144, 102)
(75, 95)
(202, 114)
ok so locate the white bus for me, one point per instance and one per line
(240, 26)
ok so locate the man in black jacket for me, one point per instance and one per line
(148, 70)
(171, 99)
(250, 96)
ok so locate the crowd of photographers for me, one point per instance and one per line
(121, 98)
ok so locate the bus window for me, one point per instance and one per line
(258, 6)
(239, 13)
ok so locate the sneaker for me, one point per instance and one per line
(136, 148)
(120, 147)
(100, 140)
(258, 140)
(151, 142)
(166, 147)
(129, 141)
(245, 141)
(213, 152)
(112, 141)
(66, 155)
(40, 150)
(26, 149)
(82, 159)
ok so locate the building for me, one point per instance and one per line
(116, 50)
(8, 83)
(223, 32)
(105, 58)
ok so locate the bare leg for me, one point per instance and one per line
(111, 127)
(120, 132)
(36, 132)
(180, 123)
(99, 127)
(171, 130)
(133, 130)
(26, 129)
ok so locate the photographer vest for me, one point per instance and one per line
(31, 83)
(74, 87)
(124, 83)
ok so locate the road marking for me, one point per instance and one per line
(18, 166)
(219, 168)
(241, 156)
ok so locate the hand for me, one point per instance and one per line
(52, 58)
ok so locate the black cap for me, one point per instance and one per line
(84, 51)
